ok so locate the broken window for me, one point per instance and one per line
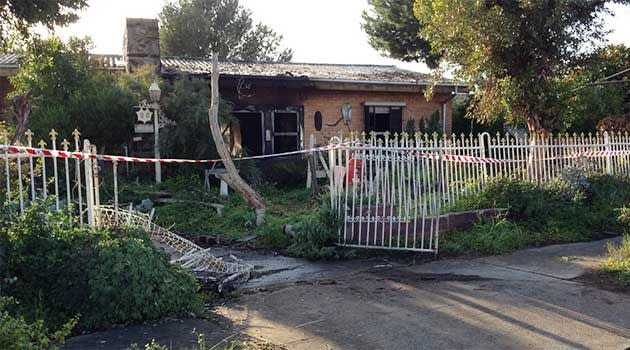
(286, 135)
(380, 119)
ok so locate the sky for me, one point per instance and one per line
(318, 31)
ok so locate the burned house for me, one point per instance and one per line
(279, 105)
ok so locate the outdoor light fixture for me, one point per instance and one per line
(155, 92)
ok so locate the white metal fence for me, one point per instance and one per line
(75, 182)
(388, 191)
(32, 176)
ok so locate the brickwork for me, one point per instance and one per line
(329, 104)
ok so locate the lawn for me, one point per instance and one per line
(190, 213)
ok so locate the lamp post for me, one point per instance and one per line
(154, 93)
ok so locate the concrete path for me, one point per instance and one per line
(525, 300)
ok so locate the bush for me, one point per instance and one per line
(573, 208)
(624, 218)
(70, 92)
(618, 261)
(315, 236)
(61, 270)
(313, 241)
(285, 171)
(18, 334)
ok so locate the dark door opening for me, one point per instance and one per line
(251, 132)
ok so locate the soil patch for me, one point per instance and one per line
(602, 280)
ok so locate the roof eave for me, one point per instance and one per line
(421, 83)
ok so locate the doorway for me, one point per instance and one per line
(250, 124)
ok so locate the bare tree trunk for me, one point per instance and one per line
(232, 177)
(22, 110)
(537, 137)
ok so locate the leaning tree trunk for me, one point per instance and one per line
(231, 177)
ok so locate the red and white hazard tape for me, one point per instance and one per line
(32, 151)
(110, 158)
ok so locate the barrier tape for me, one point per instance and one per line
(32, 151)
(110, 158)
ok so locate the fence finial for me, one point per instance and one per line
(53, 134)
(42, 144)
(29, 137)
(76, 134)
(65, 144)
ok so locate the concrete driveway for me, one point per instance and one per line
(526, 300)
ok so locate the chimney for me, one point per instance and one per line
(141, 43)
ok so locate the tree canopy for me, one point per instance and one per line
(513, 53)
(590, 96)
(393, 30)
(68, 92)
(18, 16)
(196, 28)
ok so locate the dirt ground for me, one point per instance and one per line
(533, 299)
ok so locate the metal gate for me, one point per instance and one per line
(386, 192)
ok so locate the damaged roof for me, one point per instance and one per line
(359, 73)
(9, 60)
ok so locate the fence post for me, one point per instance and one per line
(89, 185)
(95, 175)
(311, 181)
(482, 153)
(608, 156)
(7, 168)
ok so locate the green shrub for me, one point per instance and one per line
(284, 171)
(18, 334)
(61, 270)
(524, 200)
(624, 217)
(488, 238)
(313, 241)
(315, 236)
(618, 261)
(568, 209)
(130, 280)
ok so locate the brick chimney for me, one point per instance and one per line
(141, 43)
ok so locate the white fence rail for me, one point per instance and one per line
(75, 181)
(388, 191)
(32, 176)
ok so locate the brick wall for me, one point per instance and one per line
(329, 104)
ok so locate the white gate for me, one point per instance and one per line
(387, 193)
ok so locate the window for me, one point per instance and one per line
(286, 134)
(380, 118)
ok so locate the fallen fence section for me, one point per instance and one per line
(183, 252)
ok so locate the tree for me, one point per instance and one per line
(18, 16)
(196, 28)
(68, 92)
(589, 96)
(393, 30)
(513, 52)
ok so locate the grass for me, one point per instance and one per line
(500, 237)
(192, 215)
(554, 213)
(617, 262)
